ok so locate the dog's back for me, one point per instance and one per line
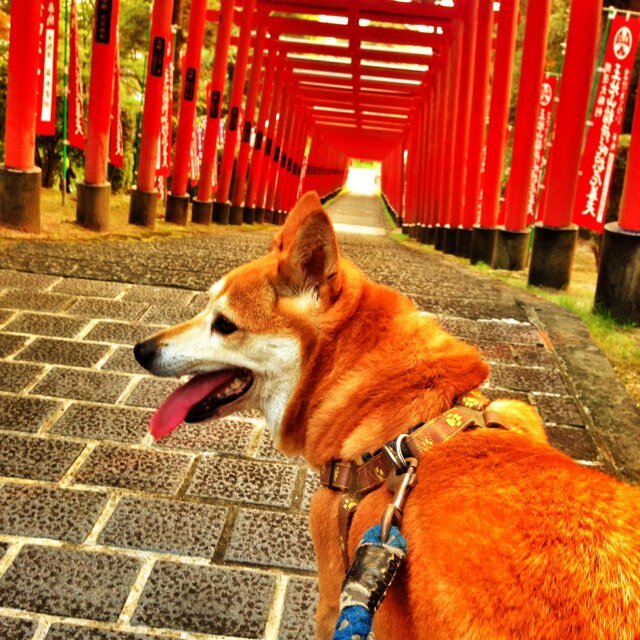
(511, 539)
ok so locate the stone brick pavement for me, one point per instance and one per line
(106, 535)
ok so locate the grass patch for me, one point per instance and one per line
(389, 217)
(392, 222)
(58, 223)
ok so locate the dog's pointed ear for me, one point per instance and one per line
(306, 248)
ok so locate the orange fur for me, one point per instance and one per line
(508, 538)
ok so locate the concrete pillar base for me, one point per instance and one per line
(463, 243)
(221, 212)
(201, 211)
(93, 205)
(248, 215)
(618, 288)
(259, 215)
(512, 250)
(177, 210)
(142, 208)
(20, 198)
(429, 235)
(450, 240)
(439, 238)
(268, 216)
(483, 244)
(236, 214)
(552, 256)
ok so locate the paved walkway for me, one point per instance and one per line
(105, 535)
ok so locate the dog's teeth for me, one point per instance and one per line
(236, 384)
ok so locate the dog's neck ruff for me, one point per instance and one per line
(356, 479)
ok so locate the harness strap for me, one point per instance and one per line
(357, 480)
(337, 475)
(346, 511)
(440, 429)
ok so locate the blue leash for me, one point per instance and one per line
(374, 567)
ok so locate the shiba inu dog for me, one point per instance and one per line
(507, 537)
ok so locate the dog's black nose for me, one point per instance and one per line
(145, 352)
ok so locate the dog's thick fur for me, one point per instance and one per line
(508, 538)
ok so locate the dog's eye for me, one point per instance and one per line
(223, 325)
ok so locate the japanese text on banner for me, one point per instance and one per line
(543, 128)
(608, 113)
(48, 68)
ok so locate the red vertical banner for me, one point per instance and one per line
(607, 116)
(116, 141)
(48, 68)
(543, 129)
(163, 164)
(76, 122)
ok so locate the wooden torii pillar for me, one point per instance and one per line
(144, 198)
(94, 193)
(512, 247)
(435, 201)
(262, 179)
(463, 236)
(202, 207)
(483, 241)
(554, 239)
(258, 155)
(446, 138)
(477, 130)
(240, 186)
(222, 206)
(450, 236)
(274, 166)
(618, 288)
(20, 178)
(178, 200)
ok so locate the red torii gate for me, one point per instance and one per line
(324, 95)
(403, 83)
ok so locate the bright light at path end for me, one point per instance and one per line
(364, 181)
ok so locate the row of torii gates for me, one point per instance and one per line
(411, 84)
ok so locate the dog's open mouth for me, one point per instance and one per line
(199, 399)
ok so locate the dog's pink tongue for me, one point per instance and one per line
(176, 407)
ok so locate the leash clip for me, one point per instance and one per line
(393, 450)
(400, 484)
